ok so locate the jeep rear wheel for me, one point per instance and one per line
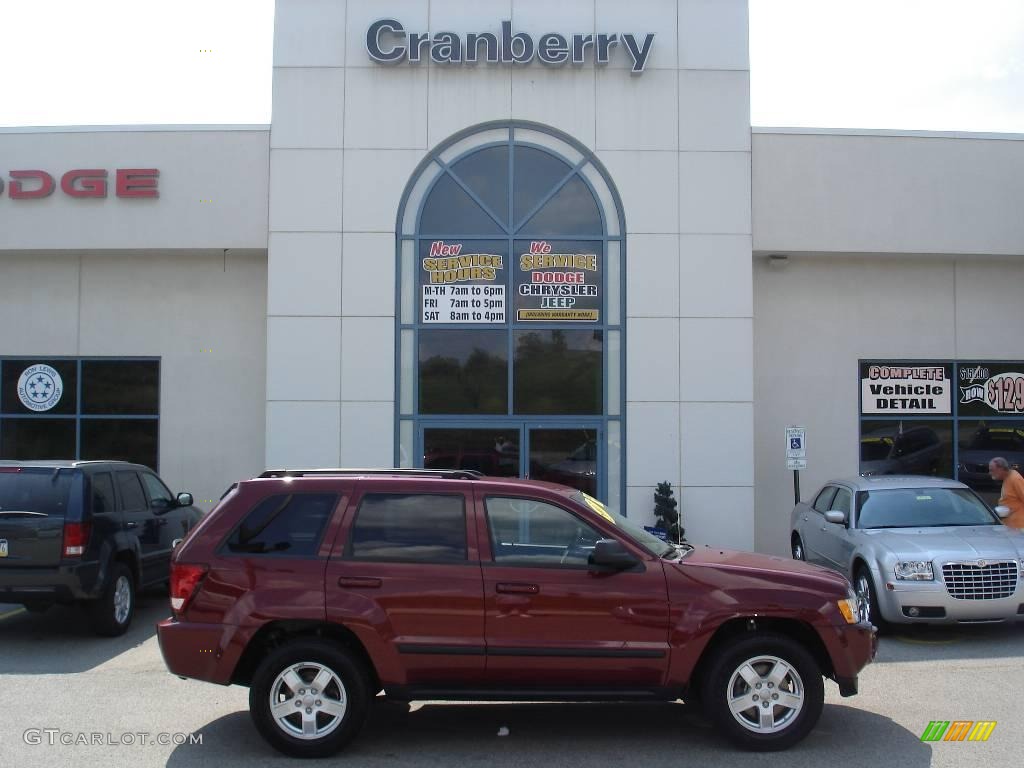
(764, 691)
(111, 614)
(309, 698)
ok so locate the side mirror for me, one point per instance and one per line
(609, 554)
(185, 500)
(836, 517)
(1002, 511)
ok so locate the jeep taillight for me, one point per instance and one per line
(185, 581)
(76, 538)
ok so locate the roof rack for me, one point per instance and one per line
(452, 474)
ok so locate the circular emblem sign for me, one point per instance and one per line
(40, 387)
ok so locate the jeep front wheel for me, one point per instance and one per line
(764, 691)
(309, 698)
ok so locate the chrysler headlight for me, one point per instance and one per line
(915, 570)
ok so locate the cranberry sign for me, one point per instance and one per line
(81, 183)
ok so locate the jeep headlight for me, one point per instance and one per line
(914, 570)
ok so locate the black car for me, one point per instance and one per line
(88, 532)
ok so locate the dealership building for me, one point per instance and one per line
(523, 237)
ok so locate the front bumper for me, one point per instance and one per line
(851, 648)
(51, 584)
(899, 601)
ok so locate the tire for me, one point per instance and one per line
(111, 614)
(864, 586)
(796, 547)
(759, 654)
(338, 722)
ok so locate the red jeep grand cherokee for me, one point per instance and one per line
(318, 589)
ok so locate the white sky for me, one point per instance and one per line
(914, 64)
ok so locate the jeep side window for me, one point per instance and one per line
(289, 524)
(413, 528)
(159, 496)
(526, 532)
(821, 504)
(102, 493)
(132, 497)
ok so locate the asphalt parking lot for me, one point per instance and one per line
(55, 675)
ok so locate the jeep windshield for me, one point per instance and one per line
(922, 508)
(648, 541)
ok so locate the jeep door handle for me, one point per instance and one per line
(512, 588)
(359, 582)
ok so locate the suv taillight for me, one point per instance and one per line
(185, 581)
(76, 538)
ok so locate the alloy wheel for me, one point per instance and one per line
(308, 700)
(766, 694)
(122, 599)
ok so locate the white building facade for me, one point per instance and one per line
(552, 261)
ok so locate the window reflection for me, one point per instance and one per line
(982, 441)
(491, 451)
(558, 372)
(906, 447)
(566, 456)
(463, 371)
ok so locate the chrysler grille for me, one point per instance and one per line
(971, 581)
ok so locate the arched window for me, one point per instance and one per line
(510, 349)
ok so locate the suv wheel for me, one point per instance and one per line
(764, 691)
(309, 698)
(112, 613)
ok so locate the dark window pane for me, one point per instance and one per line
(463, 371)
(486, 173)
(103, 499)
(824, 500)
(448, 210)
(572, 211)
(907, 447)
(134, 440)
(843, 502)
(526, 532)
(119, 387)
(32, 380)
(414, 528)
(156, 490)
(558, 280)
(491, 451)
(566, 456)
(982, 441)
(289, 524)
(558, 372)
(536, 174)
(132, 497)
(28, 439)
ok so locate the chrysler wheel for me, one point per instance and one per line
(764, 690)
(798, 549)
(765, 694)
(309, 698)
(862, 586)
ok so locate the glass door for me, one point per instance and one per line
(571, 454)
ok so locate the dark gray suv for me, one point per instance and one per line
(89, 532)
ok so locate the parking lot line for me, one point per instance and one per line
(12, 612)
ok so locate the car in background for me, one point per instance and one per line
(917, 549)
(317, 589)
(987, 442)
(87, 532)
(897, 451)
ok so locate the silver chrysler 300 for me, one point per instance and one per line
(917, 549)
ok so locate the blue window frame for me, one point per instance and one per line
(80, 408)
(510, 248)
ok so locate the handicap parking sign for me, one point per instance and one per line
(796, 443)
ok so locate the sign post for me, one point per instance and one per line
(796, 456)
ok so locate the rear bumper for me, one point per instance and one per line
(207, 652)
(57, 584)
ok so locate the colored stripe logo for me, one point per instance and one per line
(958, 730)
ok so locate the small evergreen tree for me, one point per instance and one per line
(665, 515)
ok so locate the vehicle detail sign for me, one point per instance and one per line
(40, 387)
(556, 284)
(462, 282)
(990, 388)
(898, 388)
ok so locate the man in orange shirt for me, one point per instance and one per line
(1012, 495)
